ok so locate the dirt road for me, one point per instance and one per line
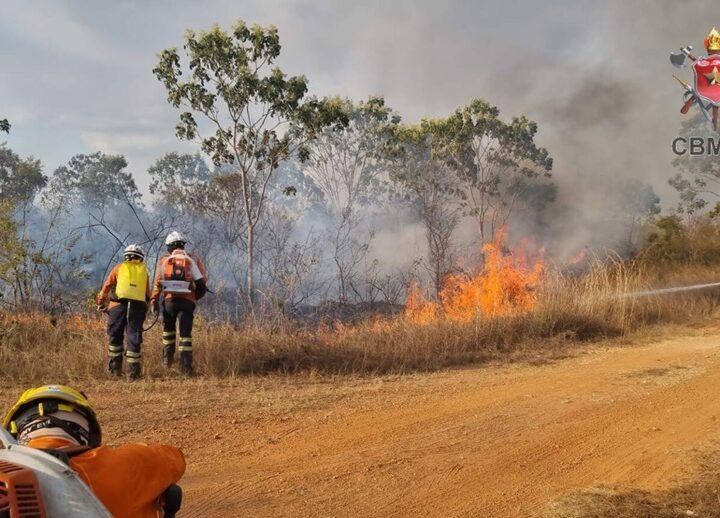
(492, 441)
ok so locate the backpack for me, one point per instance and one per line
(39, 483)
(178, 268)
(132, 281)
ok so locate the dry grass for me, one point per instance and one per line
(568, 311)
(696, 496)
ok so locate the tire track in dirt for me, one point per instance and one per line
(488, 441)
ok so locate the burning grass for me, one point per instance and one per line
(514, 307)
(555, 315)
(505, 285)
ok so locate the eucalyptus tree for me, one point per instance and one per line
(20, 178)
(243, 111)
(494, 161)
(429, 184)
(349, 165)
(98, 181)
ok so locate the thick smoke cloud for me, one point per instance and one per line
(594, 75)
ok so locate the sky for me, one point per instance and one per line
(76, 76)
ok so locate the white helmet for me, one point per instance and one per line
(175, 237)
(134, 252)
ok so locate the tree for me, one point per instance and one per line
(431, 187)
(347, 162)
(4, 125)
(288, 264)
(699, 175)
(349, 165)
(39, 266)
(531, 214)
(20, 179)
(492, 160)
(99, 181)
(636, 205)
(176, 178)
(257, 116)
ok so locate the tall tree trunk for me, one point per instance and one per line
(251, 267)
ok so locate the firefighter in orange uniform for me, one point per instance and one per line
(128, 287)
(129, 479)
(180, 281)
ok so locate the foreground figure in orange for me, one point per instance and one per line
(129, 479)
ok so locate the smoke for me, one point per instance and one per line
(595, 76)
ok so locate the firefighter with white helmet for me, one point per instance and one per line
(180, 281)
(124, 296)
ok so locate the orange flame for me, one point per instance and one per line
(505, 285)
(579, 257)
(418, 309)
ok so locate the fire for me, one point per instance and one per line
(505, 285)
(579, 257)
(418, 309)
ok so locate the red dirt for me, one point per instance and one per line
(492, 441)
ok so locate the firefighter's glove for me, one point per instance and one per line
(154, 307)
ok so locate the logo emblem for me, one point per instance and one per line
(707, 79)
(705, 89)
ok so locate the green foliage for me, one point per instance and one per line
(97, 180)
(20, 179)
(4, 125)
(673, 241)
(11, 248)
(176, 179)
(229, 83)
(349, 159)
(258, 116)
(420, 160)
(480, 143)
(492, 164)
(420, 169)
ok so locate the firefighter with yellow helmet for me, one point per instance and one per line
(131, 480)
(124, 296)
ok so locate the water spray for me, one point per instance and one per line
(672, 290)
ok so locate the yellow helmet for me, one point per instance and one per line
(48, 399)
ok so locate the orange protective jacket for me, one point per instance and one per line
(160, 274)
(109, 285)
(128, 479)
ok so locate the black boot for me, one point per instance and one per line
(115, 366)
(186, 361)
(168, 355)
(134, 371)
